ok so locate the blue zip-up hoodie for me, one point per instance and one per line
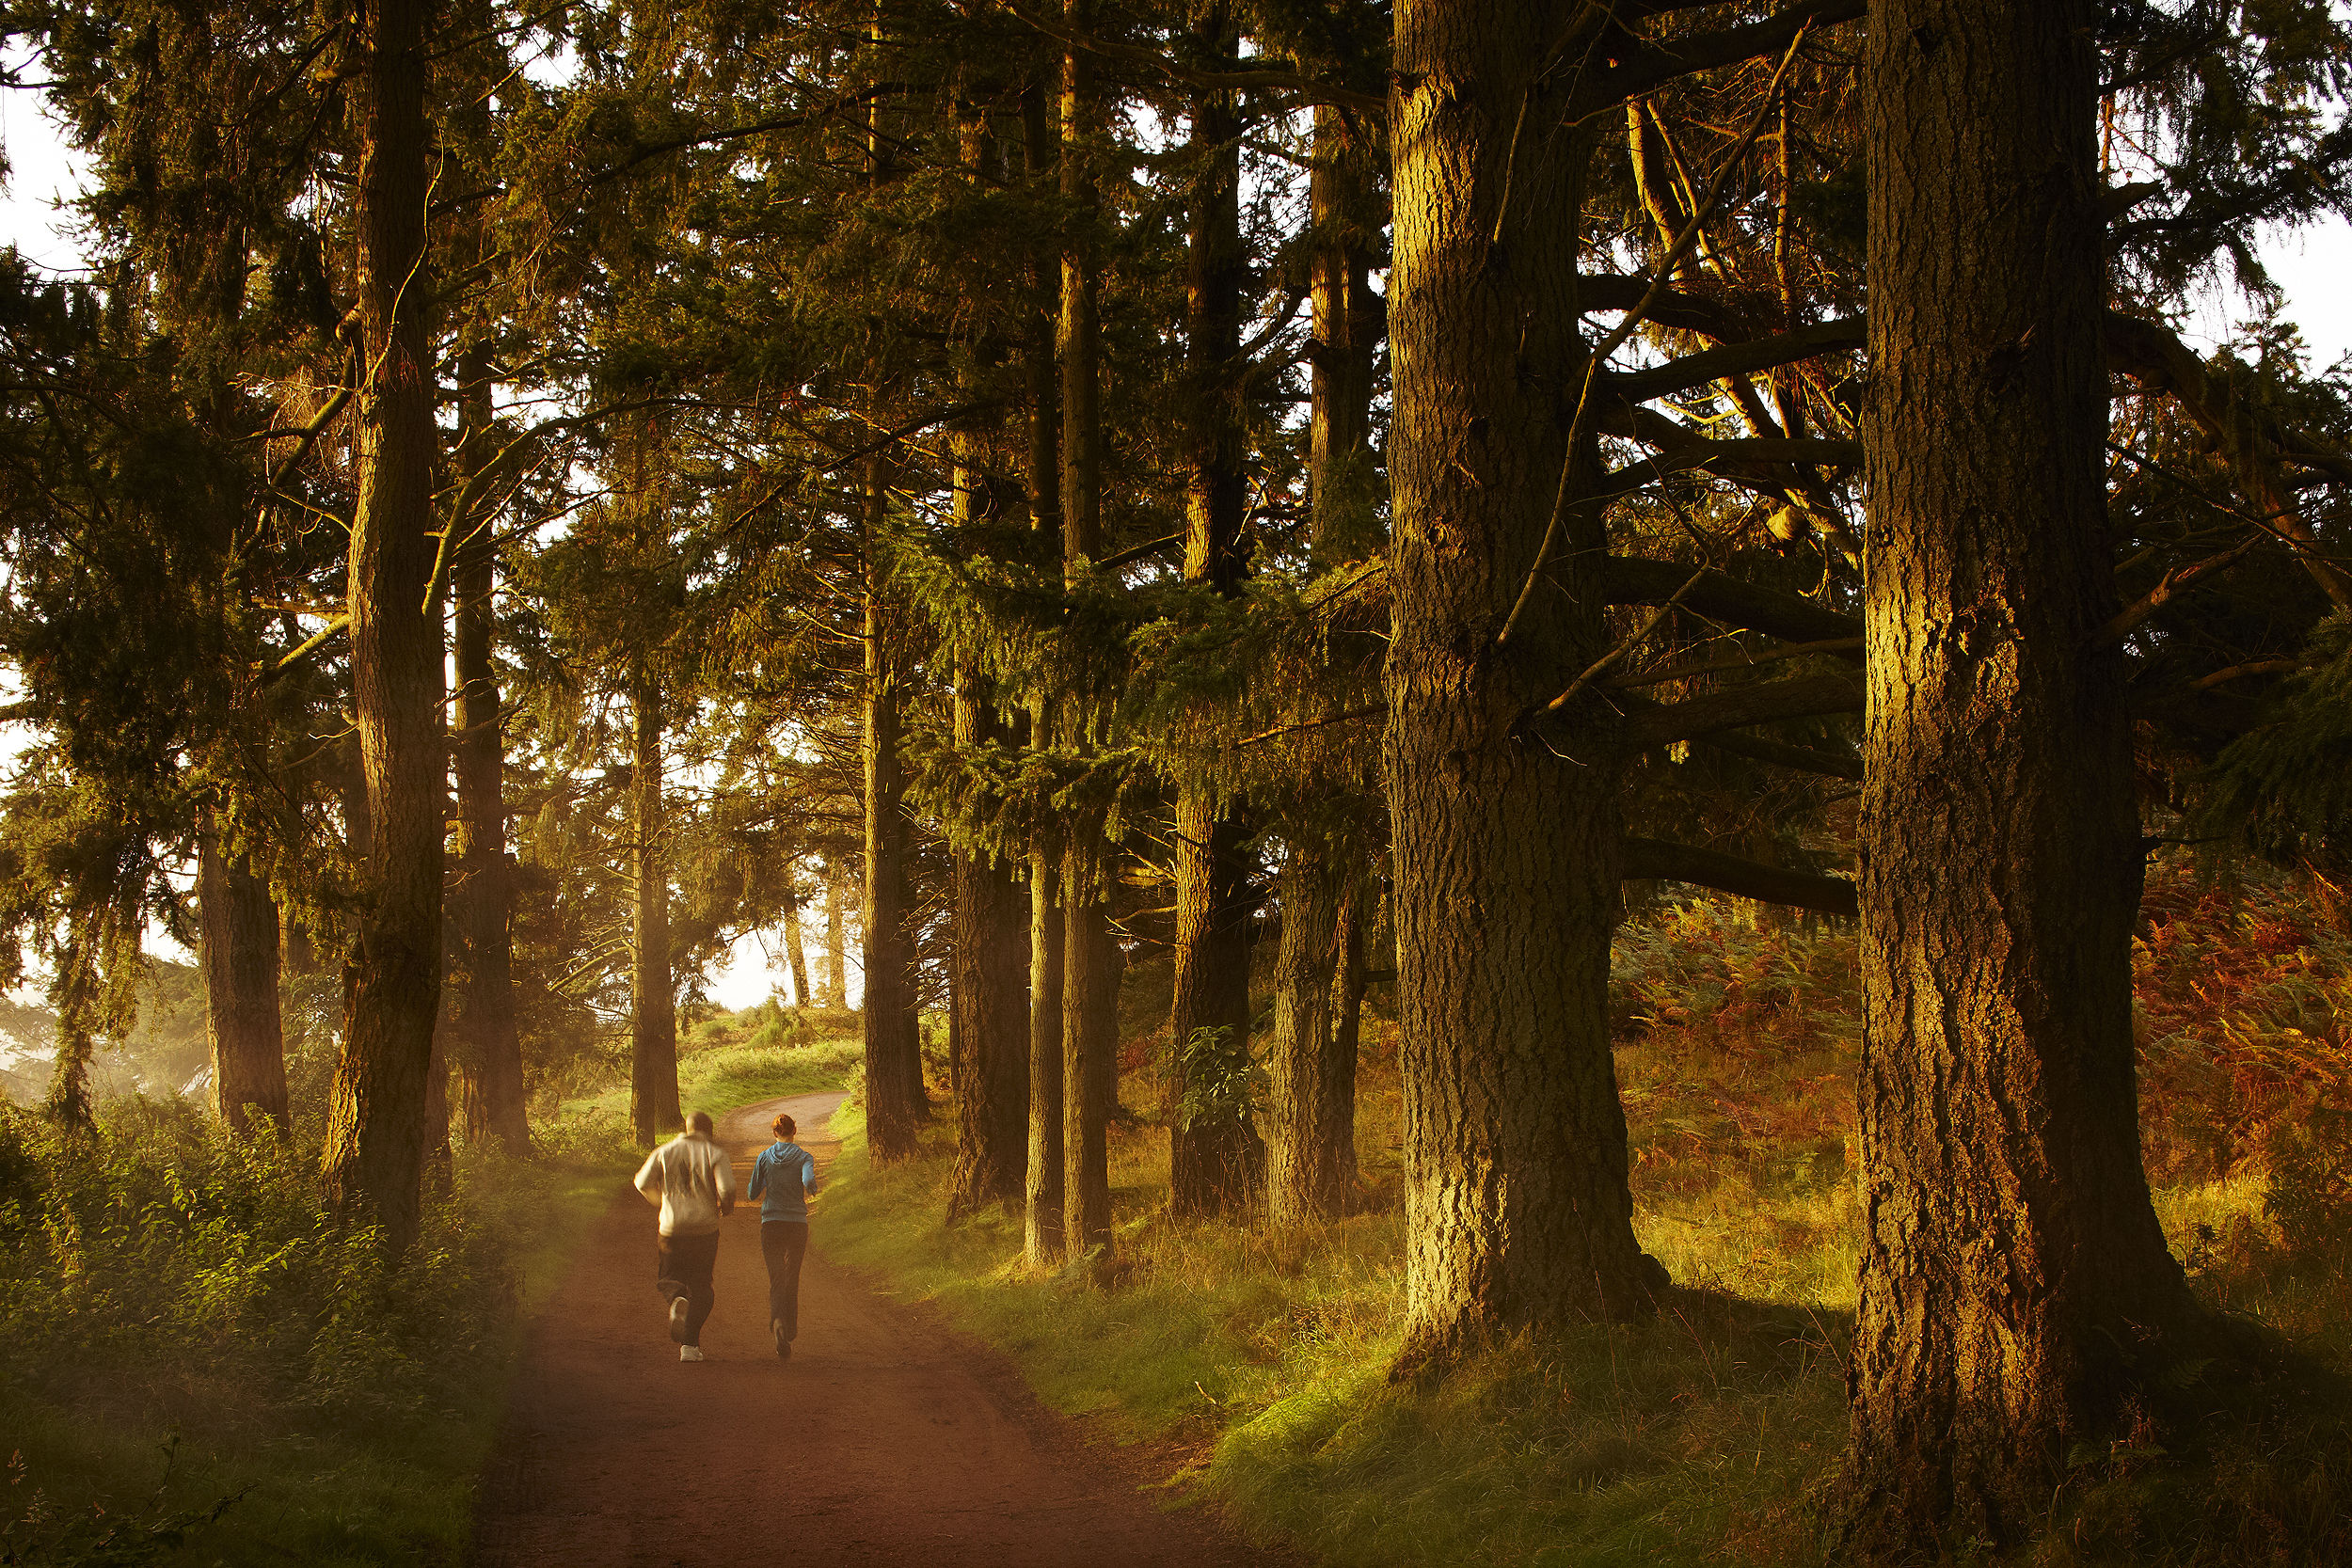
(783, 1178)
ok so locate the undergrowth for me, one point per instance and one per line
(1260, 1360)
(200, 1364)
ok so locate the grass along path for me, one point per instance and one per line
(119, 1447)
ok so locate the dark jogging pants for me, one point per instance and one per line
(783, 1244)
(682, 1267)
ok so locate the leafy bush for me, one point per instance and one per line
(164, 1240)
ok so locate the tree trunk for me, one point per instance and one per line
(992, 960)
(1048, 921)
(1043, 1196)
(653, 1100)
(1347, 329)
(239, 923)
(1310, 1122)
(1518, 1211)
(1090, 1031)
(1089, 970)
(796, 951)
(73, 994)
(989, 1040)
(1310, 1059)
(1216, 1156)
(486, 1043)
(375, 1128)
(2014, 1280)
(836, 945)
(1215, 1153)
(896, 1104)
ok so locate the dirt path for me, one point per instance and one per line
(885, 1440)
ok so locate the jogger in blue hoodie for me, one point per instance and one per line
(784, 1179)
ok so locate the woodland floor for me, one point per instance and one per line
(888, 1440)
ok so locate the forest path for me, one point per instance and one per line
(887, 1439)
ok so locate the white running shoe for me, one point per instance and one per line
(679, 1307)
(690, 1353)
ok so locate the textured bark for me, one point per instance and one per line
(653, 1100)
(375, 1131)
(239, 923)
(486, 1043)
(2013, 1275)
(992, 975)
(1214, 1160)
(836, 945)
(1090, 1029)
(1215, 1163)
(1505, 842)
(895, 1101)
(1042, 1189)
(989, 1037)
(1090, 959)
(1041, 1230)
(796, 953)
(1310, 1119)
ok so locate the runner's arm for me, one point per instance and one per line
(649, 1177)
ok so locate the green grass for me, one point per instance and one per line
(119, 1451)
(725, 1073)
(1259, 1361)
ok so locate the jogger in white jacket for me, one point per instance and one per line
(692, 1179)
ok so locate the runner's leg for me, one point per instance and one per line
(784, 1292)
(697, 1257)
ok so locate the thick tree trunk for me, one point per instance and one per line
(1505, 839)
(2014, 1279)
(796, 952)
(1043, 1233)
(1216, 1156)
(487, 1043)
(989, 1040)
(990, 985)
(896, 1104)
(837, 944)
(239, 923)
(376, 1129)
(653, 1100)
(1311, 1058)
(1309, 1122)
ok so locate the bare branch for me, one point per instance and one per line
(1772, 884)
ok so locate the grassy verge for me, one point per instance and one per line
(199, 1370)
(1261, 1358)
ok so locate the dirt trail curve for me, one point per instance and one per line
(885, 1440)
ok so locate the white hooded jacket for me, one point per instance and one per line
(689, 1177)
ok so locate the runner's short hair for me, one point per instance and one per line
(786, 1127)
(699, 1122)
